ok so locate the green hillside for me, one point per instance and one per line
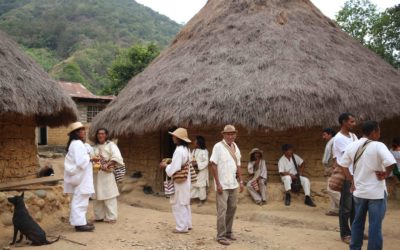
(77, 40)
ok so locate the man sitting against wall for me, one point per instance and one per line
(291, 168)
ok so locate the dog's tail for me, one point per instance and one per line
(51, 242)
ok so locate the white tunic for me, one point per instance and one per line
(376, 157)
(182, 190)
(201, 157)
(104, 182)
(287, 165)
(226, 165)
(78, 171)
(261, 170)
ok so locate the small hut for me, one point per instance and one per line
(278, 70)
(28, 98)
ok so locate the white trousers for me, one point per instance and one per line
(183, 216)
(198, 192)
(106, 209)
(305, 183)
(257, 196)
(79, 206)
(335, 199)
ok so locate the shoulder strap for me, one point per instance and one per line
(230, 152)
(295, 164)
(359, 153)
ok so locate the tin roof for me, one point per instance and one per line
(77, 90)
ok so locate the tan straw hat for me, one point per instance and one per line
(74, 126)
(256, 150)
(229, 129)
(181, 133)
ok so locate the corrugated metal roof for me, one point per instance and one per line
(77, 90)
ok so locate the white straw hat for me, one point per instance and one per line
(229, 129)
(182, 134)
(74, 126)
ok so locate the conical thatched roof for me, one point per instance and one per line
(26, 89)
(269, 64)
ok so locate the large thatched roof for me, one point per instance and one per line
(26, 89)
(269, 64)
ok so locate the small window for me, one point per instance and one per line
(92, 111)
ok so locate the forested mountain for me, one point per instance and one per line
(77, 40)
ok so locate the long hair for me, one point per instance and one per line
(74, 135)
(182, 143)
(396, 142)
(97, 131)
(201, 142)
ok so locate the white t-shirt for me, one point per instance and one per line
(340, 143)
(226, 165)
(287, 165)
(376, 157)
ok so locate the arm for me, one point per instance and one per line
(80, 155)
(214, 171)
(176, 163)
(202, 162)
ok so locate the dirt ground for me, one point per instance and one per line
(146, 222)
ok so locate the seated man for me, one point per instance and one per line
(291, 168)
(257, 170)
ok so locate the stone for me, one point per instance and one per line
(6, 219)
(39, 216)
(3, 197)
(39, 202)
(126, 188)
(51, 196)
(41, 193)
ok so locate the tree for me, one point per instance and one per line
(379, 32)
(128, 64)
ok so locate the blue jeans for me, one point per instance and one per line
(346, 210)
(376, 212)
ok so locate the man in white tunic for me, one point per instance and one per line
(225, 163)
(328, 162)
(78, 176)
(257, 168)
(372, 162)
(199, 158)
(180, 200)
(291, 167)
(105, 203)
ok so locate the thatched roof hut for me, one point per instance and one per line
(28, 98)
(27, 90)
(261, 64)
(265, 65)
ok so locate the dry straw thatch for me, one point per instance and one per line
(261, 64)
(26, 89)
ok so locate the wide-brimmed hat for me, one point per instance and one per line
(74, 126)
(256, 150)
(229, 129)
(182, 134)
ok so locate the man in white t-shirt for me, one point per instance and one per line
(291, 168)
(225, 166)
(343, 138)
(372, 163)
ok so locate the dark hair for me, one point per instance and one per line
(74, 135)
(396, 142)
(182, 143)
(201, 142)
(329, 131)
(369, 126)
(97, 131)
(286, 147)
(344, 117)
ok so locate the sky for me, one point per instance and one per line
(182, 11)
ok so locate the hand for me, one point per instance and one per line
(163, 164)
(294, 177)
(219, 189)
(352, 188)
(381, 175)
(194, 164)
(241, 186)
